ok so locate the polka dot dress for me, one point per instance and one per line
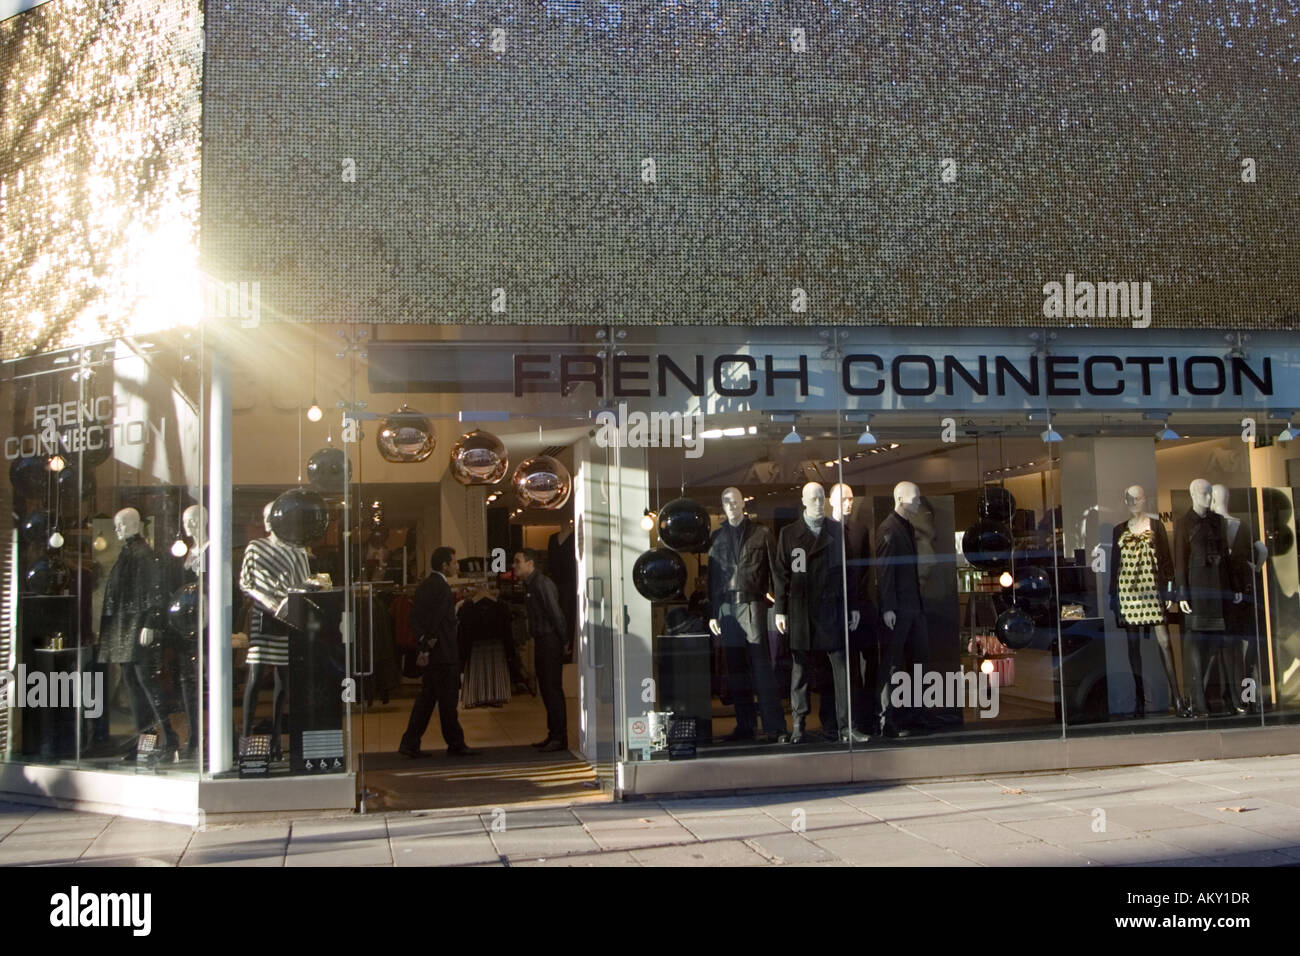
(1139, 599)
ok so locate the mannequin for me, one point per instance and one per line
(130, 621)
(864, 653)
(1205, 576)
(185, 648)
(809, 608)
(901, 609)
(1239, 617)
(742, 555)
(270, 568)
(195, 523)
(1141, 576)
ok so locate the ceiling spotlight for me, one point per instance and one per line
(792, 438)
(1288, 434)
(314, 413)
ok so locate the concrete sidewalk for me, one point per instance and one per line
(1210, 813)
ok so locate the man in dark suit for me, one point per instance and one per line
(741, 556)
(433, 621)
(549, 630)
(810, 608)
(900, 599)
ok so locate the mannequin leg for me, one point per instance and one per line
(187, 662)
(1167, 659)
(799, 673)
(1135, 665)
(146, 705)
(279, 691)
(1194, 654)
(251, 689)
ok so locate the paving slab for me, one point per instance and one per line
(466, 849)
(257, 845)
(649, 831)
(1247, 812)
(1070, 831)
(1216, 839)
(1035, 853)
(718, 853)
(537, 842)
(41, 851)
(784, 848)
(957, 836)
(1138, 850)
(329, 843)
(1142, 817)
(620, 858)
(733, 826)
(891, 849)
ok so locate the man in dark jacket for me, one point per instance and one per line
(741, 556)
(549, 630)
(433, 621)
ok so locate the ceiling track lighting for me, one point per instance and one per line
(1164, 432)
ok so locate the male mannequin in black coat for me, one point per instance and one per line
(742, 554)
(433, 620)
(1208, 581)
(901, 611)
(810, 608)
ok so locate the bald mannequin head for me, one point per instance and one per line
(126, 523)
(733, 506)
(1201, 493)
(195, 523)
(814, 500)
(841, 499)
(1219, 500)
(907, 499)
(1135, 499)
(266, 518)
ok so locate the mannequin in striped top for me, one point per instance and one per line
(271, 567)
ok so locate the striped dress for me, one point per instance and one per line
(270, 568)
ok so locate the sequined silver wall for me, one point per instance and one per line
(99, 169)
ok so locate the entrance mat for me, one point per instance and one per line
(498, 776)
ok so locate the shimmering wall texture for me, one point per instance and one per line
(522, 170)
(99, 170)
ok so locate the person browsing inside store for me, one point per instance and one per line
(550, 633)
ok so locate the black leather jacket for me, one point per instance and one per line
(546, 621)
(749, 572)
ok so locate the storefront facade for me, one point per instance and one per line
(967, 541)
